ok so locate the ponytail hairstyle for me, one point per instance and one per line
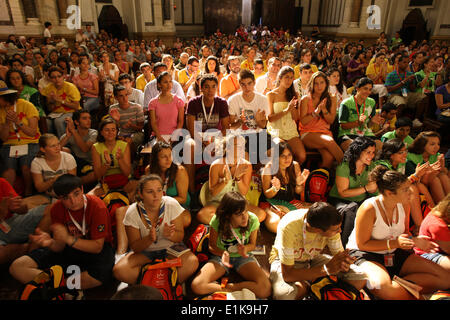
(232, 203)
(43, 143)
(143, 181)
(387, 179)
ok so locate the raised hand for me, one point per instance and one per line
(301, 178)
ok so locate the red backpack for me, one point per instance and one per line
(331, 288)
(199, 242)
(163, 275)
(317, 186)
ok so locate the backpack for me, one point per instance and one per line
(317, 186)
(48, 285)
(199, 242)
(162, 274)
(331, 288)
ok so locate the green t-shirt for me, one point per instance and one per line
(414, 159)
(343, 170)
(392, 135)
(430, 87)
(230, 244)
(32, 95)
(386, 163)
(348, 113)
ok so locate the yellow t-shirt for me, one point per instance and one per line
(291, 246)
(141, 82)
(183, 76)
(25, 110)
(68, 92)
(372, 70)
(297, 70)
(247, 65)
(375, 127)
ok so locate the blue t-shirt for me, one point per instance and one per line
(446, 97)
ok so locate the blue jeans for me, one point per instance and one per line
(237, 262)
(22, 225)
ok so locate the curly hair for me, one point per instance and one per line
(354, 152)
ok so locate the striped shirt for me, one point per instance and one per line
(395, 78)
(134, 113)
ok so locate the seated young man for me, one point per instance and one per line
(403, 127)
(387, 122)
(63, 98)
(79, 138)
(130, 118)
(80, 235)
(297, 259)
(134, 95)
(17, 222)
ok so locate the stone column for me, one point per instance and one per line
(62, 11)
(355, 13)
(30, 12)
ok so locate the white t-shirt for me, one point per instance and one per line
(40, 166)
(47, 33)
(236, 104)
(172, 209)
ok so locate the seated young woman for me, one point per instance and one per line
(352, 185)
(283, 113)
(382, 244)
(232, 172)
(425, 149)
(233, 234)
(49, 164)
(393, 156)
(282, 187)
(112, 166)
(153, 224)
(317, 114)
(174, 176)
(435, 226)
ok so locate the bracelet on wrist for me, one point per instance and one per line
(388, 246)
(75, 239)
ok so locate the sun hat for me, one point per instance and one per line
(4, 89)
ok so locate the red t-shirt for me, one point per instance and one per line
(6, 190)
(435, 228)
(98, 223)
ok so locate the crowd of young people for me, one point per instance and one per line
(77, 187)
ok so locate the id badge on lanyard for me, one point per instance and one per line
(234, 249)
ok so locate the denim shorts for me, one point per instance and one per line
(435, 257)
(22, 225)
(17, 163)
(237, 262)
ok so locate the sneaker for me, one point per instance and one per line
(417, 123)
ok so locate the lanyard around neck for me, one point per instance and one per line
(356, 105)
(235, 235)
(82, 228)
(207, 118)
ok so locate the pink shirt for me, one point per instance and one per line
(166, 114)
(87, 83)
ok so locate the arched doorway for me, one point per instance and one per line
(111, 21)
(414, 27)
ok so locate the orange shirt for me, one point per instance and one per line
(228, 85)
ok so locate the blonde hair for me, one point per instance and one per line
(442, 209)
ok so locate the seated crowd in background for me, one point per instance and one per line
(79, 120)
